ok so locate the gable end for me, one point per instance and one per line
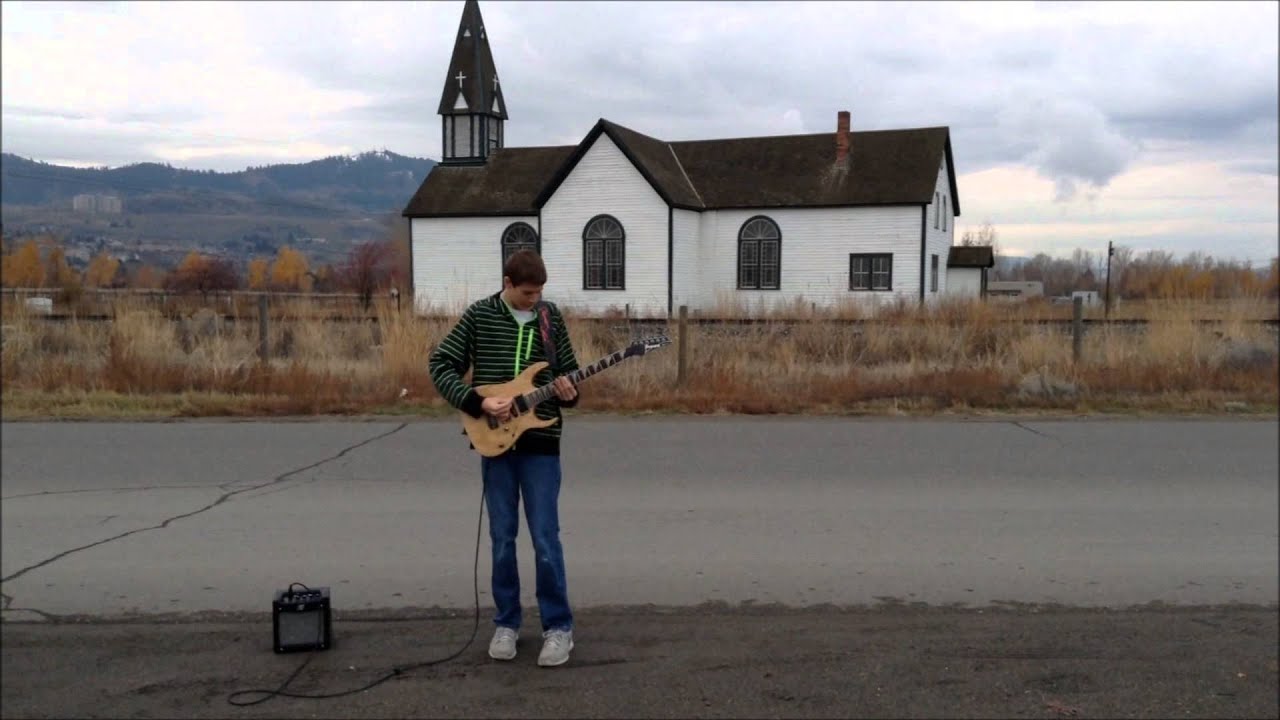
(603, 126)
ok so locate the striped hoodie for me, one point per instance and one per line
(489, 341)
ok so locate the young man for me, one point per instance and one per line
(498, 337)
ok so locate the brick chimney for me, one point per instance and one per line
(842, 136)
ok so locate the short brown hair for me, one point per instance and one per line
(525, 267)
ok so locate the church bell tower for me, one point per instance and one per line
(472, 108)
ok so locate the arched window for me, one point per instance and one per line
(519, 236)
(603, 254)
(759, 254)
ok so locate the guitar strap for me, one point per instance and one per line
(548, 336)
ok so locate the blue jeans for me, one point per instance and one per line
(536, 478)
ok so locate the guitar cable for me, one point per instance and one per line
(397, 670)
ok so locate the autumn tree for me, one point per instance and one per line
(203, 273)
(147, 278)
(325, 279)
(24, 268)
(289, 271)
(367, 268)
(101, 271)
(258, 271)
(57, 272)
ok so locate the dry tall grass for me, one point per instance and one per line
(958, 356)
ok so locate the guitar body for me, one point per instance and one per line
(492, 438)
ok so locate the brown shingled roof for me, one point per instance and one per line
(506, 185)
(973, 256)
(884, 167)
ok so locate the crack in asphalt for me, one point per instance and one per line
(223, 498)
(116, 489)
(283, 489)
(1016, 423)
(50, 617)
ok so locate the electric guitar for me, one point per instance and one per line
(491, 437)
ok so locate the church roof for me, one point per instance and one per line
(472, 74)
(971, 256)
(505, 185)
(884, 167)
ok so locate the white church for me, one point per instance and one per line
(627, 220)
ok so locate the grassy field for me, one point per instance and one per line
(969, 358)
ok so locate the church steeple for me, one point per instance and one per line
(472, 108)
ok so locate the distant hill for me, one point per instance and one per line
(323, 207)
(374, 182)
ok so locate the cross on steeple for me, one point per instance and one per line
(460, 78)
(495, 83)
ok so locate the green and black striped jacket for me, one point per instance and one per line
(489, 341)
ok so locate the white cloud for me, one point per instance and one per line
(1091, 104)
(1068, 142)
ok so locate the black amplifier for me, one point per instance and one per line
(302, 620)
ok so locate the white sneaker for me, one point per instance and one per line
(503, 644)
(556, 645)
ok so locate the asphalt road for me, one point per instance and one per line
(109, 519)
(720, 568)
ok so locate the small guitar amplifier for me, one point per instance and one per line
(301, 620)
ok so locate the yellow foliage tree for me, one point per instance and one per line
(203, 273)
(258, 268)
(1200, 284)
(192, 262)
(101, 271)
(24, 268)
(148, 278)
(59, 273)
(289, 271)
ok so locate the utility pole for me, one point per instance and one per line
(1107, 300)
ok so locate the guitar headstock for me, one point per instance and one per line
(644, 345)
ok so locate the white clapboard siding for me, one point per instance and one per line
(964, 282)
(686, 272)
(457, 261)
(816, 244)
(605, 182)
(938, 239)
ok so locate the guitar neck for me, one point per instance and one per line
(575, 377)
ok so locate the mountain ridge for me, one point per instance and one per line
(375, 181)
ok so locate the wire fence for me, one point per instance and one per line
(103, 304)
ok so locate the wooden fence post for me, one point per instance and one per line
(682, 356)
(1077, 327)
(262, 327)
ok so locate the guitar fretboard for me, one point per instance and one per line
(577, 376)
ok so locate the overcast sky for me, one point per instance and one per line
(1150, 124)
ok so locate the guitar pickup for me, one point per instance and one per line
(521, 404)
